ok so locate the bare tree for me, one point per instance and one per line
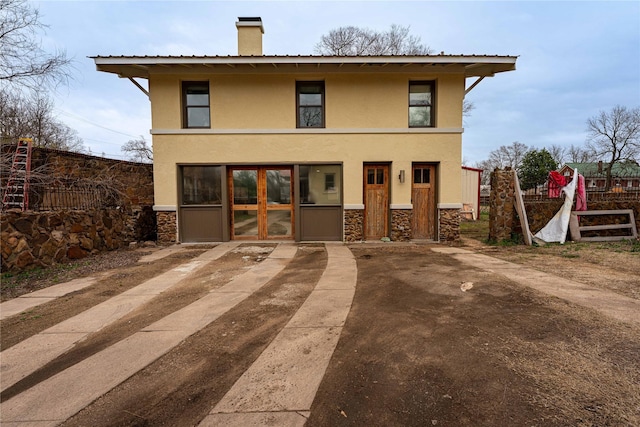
(558, 153)
(23, 62)
(508, 155)
(467, 107)
(138, 150)
(614, 136)
(32, 116)
(502, 157)
(579, 155)
(356, 41)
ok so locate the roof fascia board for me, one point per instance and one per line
(470, 60)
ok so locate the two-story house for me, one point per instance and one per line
(306, 147)
(625, 176)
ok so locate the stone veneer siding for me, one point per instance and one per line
(167, 227)
(401, 225)
(353, 222)
(449, 224)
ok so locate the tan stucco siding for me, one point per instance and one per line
(164, 93)
(253, 102)
(268, 101)
(449, 98)
(366, 101)
(350, 149)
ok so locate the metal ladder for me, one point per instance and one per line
(16, 194)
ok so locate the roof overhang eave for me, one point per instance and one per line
(139, 66)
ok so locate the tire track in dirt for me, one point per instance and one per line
(185, 383)
(188, 290)
(24, 325)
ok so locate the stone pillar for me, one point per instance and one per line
(167, 227)
(353, 223)
(401, 225)
(501, 205)
(449, 221)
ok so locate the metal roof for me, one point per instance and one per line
(144, 66)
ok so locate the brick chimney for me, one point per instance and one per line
(250, 33)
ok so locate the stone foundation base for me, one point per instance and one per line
(449, 224)
(167, 228)
(401, 225)
(353, 222)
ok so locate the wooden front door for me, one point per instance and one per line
(376, 201)
(423, 199)
(261, 199)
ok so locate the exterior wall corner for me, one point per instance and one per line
(353, 222)
(449, 224)
(167, 227)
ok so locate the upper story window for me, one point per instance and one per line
(421, 104)
(195, 98)
(310, 104)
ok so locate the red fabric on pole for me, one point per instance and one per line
(556, 182)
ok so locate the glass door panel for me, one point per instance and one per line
(279, 223)
(262, 202)
(245, 187)
(245, 223)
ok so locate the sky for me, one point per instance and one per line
(575, 58)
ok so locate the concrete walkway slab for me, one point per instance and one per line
(33, 299)
(609, 303)
(25, 358)
(324, 308)
(282, 383)
(286, 375)
(61, 396)
(162, 253)
(101, 315)
(29, 355)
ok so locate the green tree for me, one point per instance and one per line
(535, 168)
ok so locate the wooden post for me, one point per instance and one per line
(522, 213)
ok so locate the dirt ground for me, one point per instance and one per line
(416, 350)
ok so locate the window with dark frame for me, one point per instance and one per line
(375, 176)
(329, 182)
(195, 98)
(421, 175)
(201, 185)
(313, 184)
(310, 104)
(421, 104)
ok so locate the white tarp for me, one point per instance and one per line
(556, 228)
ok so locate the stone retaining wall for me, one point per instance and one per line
(71, 231)
(503, 218)
(32, 239)
(539, 212)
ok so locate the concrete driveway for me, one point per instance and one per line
(247, 335)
